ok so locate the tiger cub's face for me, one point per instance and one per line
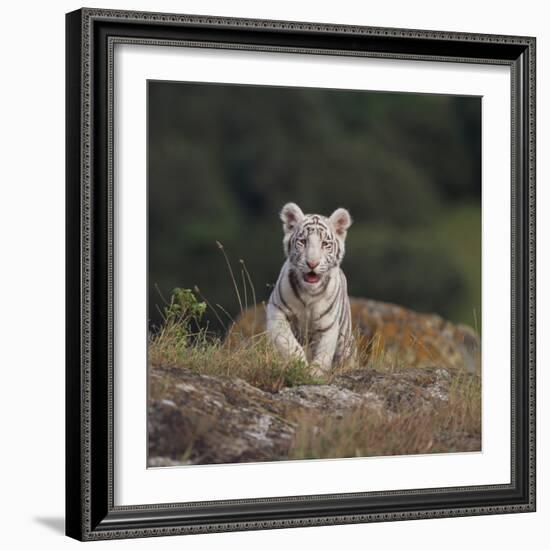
(313, 243)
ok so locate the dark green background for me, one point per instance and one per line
(223, 159)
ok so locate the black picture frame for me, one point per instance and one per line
(90, 510)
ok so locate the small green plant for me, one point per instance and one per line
(184, 307)
(183, 310)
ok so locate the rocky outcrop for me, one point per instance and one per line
(410, 363)
(204, 419)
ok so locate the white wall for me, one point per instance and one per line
(32, 290)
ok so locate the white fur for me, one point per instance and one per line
(312, 320)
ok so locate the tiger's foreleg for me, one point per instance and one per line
(323, 350)
(280, 334)
(346, 347)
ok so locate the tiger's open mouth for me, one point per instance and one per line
(311, 277)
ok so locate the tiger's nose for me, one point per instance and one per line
(312, 265)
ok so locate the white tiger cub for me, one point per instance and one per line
(308, 313)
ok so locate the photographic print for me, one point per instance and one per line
(314, 273)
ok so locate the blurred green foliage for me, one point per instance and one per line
(223, 159)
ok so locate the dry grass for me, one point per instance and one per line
(255, 362)
(182, 342)
(452, 427)
(251, 359)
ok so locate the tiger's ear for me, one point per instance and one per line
(291, 215)
(341, 220)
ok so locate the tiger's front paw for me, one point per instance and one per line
(319, 370)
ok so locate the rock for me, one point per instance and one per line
(163, 461)
(409, 389)
(330, 399)
(397, 334)
(199, 419)
(204, 420)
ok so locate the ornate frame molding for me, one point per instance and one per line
(91, 36)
